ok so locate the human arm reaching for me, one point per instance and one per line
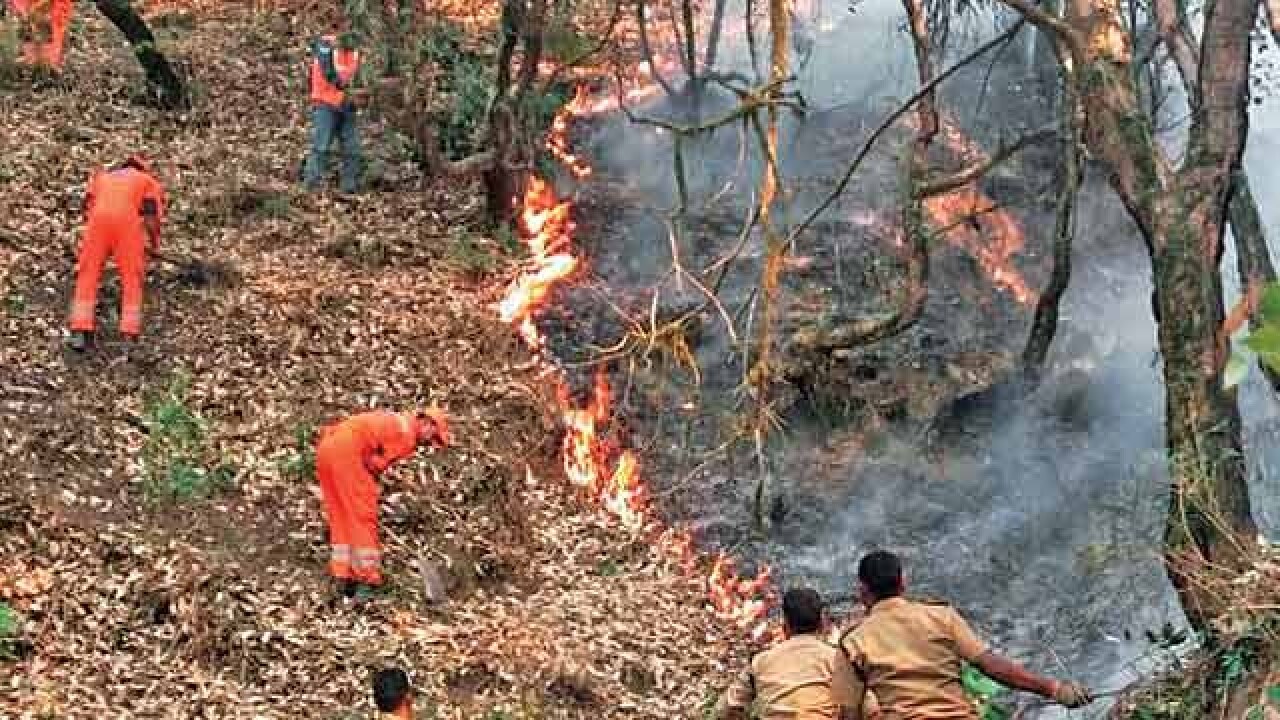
(1011, 674)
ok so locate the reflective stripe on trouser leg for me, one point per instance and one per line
(340, 561)
(367, 565)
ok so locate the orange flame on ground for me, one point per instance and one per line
(548, 229)
(972, 221)
(606, 475)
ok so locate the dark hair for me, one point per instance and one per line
(390, 688)
(802, 610)
(881, 573)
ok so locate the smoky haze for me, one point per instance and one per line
(1040, 517)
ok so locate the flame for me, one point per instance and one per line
(609, 477)
(975, 223)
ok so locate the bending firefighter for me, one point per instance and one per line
(124, 208)
(802, 677)
(44, 30)
(909, 654)
(350, 456)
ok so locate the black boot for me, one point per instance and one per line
(79, 341)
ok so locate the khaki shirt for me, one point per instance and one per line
(910, 655)
(801, 678)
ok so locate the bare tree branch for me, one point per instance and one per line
(960, 178)
(1055, 29)
(892, 118)
(646, 50)
(1176, 37)
(869, 329)
(1044, 326)
(1218, 130)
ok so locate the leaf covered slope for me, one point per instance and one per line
(161, 536)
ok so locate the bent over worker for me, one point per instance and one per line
(335, 67)
(801, 678)
(124, 208)
(909, 654)
(350, 456)
(44, 29)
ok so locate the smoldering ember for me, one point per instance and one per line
(631, 359)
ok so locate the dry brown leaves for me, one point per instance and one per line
(219, 608)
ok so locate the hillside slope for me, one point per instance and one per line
(145, 592)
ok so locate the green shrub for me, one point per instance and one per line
(467, 254)
(10, 628)
(174, 454)
(300, 464)
(466, 81)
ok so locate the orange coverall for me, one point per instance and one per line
(349, 457)
(44, 45)
(114, 227)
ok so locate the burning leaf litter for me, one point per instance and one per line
(219, 608)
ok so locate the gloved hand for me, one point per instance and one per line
(1071, 694)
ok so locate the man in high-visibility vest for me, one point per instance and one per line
(335, 68)
(44, 24)
(124, 208)
(350, 456)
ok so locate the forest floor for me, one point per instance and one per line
(162, 541)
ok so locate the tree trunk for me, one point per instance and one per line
(502, 183)
(170, 91)
(1209, 507)
(1181, 213)
(1045, 324)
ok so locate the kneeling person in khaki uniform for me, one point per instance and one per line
(801, 678)
(910, 653)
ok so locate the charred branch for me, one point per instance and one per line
(169, 90)
(1045, 324)
(646, 50)
(713, 37)
(893, 117)
(959, 179)
(915, 283)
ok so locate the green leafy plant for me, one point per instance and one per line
(15, 304)
(1263, 342)
(10, 627)
(984, 692)
(300, 464)
(174, 453)
(466, 253)
(465, 80)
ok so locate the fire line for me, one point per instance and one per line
(610, 476)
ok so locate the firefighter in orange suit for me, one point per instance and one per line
(45, 28)
(124, 208)
(350, 456)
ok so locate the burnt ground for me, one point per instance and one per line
(154, 576)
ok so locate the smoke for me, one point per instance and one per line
(1040, 517)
